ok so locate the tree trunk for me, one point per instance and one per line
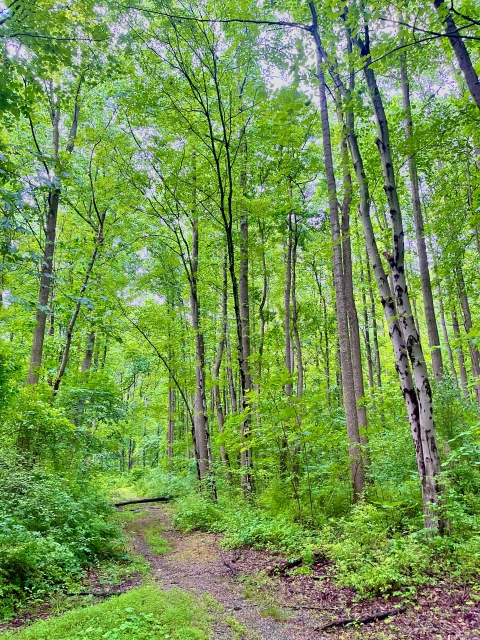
(325, 326)
(368, 344)
(202, 436)
(356, 461)
(350, 302)
(378, 363)
(171, 424)
(459, 48)
(298, 348)
(87, 361)
(231, 381)
(246, 453)
(423, 403)
(73, 320)
(46, 280)
(50, 229)
(288, 336)
(467, 321)
(216, 368)
(262, 306)
(430, 319)
(460, 356)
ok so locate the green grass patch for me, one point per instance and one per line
(155, 541)
(130, 514)
(145, 613)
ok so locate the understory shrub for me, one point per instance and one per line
(51, 526)
(376, 561)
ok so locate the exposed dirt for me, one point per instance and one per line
(294, 607)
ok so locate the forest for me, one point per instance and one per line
(240, 249)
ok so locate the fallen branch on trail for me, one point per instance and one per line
(381, 615)
(291, 564)
(141, 501)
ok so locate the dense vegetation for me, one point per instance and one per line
(239, 266)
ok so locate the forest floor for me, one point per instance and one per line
(249, 605)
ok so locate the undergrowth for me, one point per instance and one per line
(51, 527)
(371, 552)
(145, 613)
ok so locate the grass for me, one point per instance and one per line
(156, 543)
(145, 613)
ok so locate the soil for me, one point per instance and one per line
(291, 606)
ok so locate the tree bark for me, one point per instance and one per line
(325, 326)
(202, 435)
(422, 404)
(170, 424)
(87, 360)
(73, 319)
(216, 369)
(459, 48)
(356, 461)
(431, 321)
(366, 322)
(50, 230)
(354, 330)
(467, 321)
(246, 453)
(460, 356)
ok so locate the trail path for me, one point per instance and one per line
(295, 607)
(197, 564)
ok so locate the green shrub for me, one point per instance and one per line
(375, 561)
(51, 526)
(193, 512)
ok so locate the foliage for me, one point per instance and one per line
(52, 526)
(140, 614)
(377, 561)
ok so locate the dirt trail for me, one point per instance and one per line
(294, 607)
(197, 564)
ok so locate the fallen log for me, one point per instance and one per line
(141, 501)
(381, 615)
(291, 564)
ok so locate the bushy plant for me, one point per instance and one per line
(194, 512)
(51, 526)
(376, 561)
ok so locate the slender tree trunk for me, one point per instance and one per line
(202, 435)
(420, 394)
(288, 335)
(460, 356)
(262, 306)
(356, 461)
(286, 303)
(73, 319)
(246, 453)
(430, 319)
(459, 48)
(231, 381)
(368, 344)
(46, 279)
(50, 230)
(300, 370)
(325, 325)
(216, 368)
(467, 321)
(378, 363)
(354, 330)
(171, 424)
(87, 361)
